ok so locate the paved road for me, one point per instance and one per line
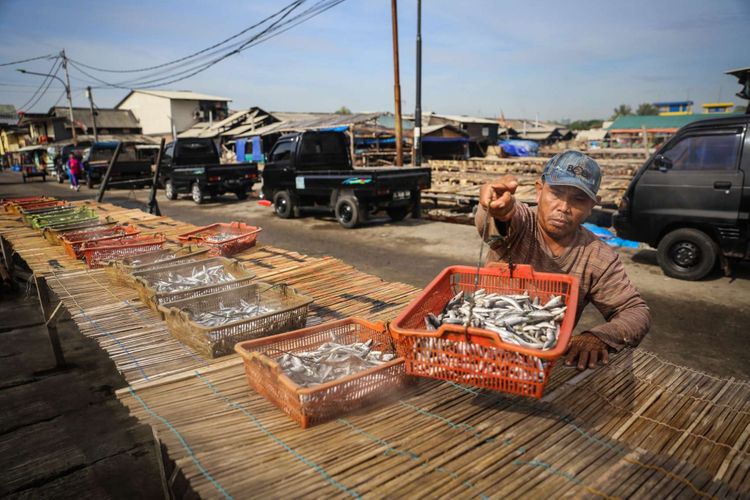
(703, 325)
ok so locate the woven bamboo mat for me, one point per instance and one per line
(640, 427)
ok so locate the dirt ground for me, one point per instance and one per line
(702, 324)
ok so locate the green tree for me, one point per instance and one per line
(622, 110)
(647, 109)
(585, 124)
(343, 110)
(740, 109)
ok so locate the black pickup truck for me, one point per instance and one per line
(192, 166)
(312, 170)
(129, 166)
(691, 200)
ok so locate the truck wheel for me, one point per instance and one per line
(241, 195)
(347, 212)
(197, 193)
(24, 178)
(169, 190)
(397, 213)
(687, 254)
(89, 182)
(60, 179)
(284, 206)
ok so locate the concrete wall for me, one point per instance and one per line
(151, 111)
(183, 114)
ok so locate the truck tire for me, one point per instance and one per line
(60, 179)
(687, 254)
(284, 205)
(347, 212)
(197, 193)
(89, 182)
(169, 191)
(397, 213)
(241, 195)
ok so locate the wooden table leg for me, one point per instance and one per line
(50, 315)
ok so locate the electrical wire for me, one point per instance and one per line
(169, 73)
(47, 80)
(277, 27)
(189, 56)
(48, 56)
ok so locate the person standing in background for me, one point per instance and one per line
(74, 171)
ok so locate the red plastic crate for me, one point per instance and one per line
(97, 254)
(476, 356)
(244, 239)
(73, 241)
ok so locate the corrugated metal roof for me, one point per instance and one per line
(184, 95)
(311, 121)
(594, 134)
(635, 122)
(460, 118)
(105, 118)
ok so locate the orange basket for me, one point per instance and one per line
(476, 356)
(235, 237)
(311, 405)
(53, 235)
(14, 205)
(73, 241)
(98, 253)
(41, 206)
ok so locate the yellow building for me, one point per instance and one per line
(674, 108)
(718, 107)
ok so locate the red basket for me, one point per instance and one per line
(73, 241)
(43, 205)
(98, 253)
(14, 205)
(311, 405)
(477, 356)
(244, 239)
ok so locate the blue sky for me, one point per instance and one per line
(554, 60)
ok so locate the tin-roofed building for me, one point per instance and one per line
(674, 108)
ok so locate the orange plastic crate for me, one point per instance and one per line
(310, 405)
(14, 205)
(73, 241)
(97, 254)
(475, 356)
(43, 205)
(244, 239)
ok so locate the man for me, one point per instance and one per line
(551, 239)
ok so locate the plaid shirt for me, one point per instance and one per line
(602, 277)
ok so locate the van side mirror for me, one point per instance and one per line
(662, 162)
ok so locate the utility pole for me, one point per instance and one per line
(396, 86)
(70, 97)
(418, 109)
(93, 113)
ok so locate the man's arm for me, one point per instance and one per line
(627, 315)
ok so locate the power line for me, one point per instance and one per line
(189, 56)
(48, 56)
(277, 27)
(169, 73)
(47, 80)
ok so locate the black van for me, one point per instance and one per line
(691, 200)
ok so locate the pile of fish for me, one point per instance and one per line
(217, 237)
(517, 319)
(331, 361)
(229, 314)
(201, 276)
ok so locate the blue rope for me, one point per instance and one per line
(317, 468)
(187, 447)
(424, 462)
(117, 341)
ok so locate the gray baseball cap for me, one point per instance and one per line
(573, 168)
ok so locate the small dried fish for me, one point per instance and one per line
(229, 314)
(518, 319)
(201, 276)
(331, 361)
(216, 237)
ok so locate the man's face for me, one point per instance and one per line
(561, 209)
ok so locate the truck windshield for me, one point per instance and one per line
(324, 149)
(195, 150)
(127, 153)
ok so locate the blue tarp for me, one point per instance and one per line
(341, 128)
(365, 142)
(516, 147)
(257, 149)
(239, 148)
(609, 237)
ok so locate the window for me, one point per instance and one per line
(706, 152)
(485, 131)
(282, 151)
